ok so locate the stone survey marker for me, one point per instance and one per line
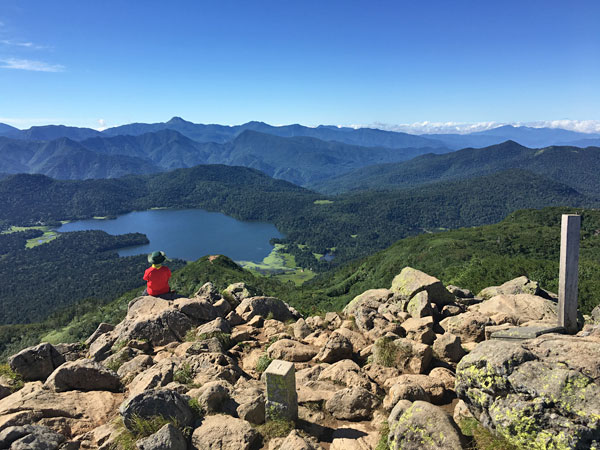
(282, 399)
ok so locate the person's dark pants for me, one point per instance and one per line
(171, 295)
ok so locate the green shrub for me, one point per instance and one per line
(384, 431)
(275, 429)
(484, 439)
(387, 352)
(15, 379)
(140, 428)
(184, 375)
(191, 336)
(196, 407)
(263, 362)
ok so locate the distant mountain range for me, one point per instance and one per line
(573, 166)
(300, 160)
(302, 155)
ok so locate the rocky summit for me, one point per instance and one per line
(407, 367)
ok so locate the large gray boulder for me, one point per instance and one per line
(30, 437)
(167, 438)
(409, 282)
(539, 393)
(164, 403)
(422, 426)
(221, 432)
(83, 375)
(290, 350)
(197, 309)
(36, 363)
(364, 307)
(267, 307)
(352, 404)
(336, 348)
(520, 307)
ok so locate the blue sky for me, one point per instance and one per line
(311, 62)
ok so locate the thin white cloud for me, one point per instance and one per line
(102, 125)
(582, 126)
(27, 64)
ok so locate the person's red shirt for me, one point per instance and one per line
(158, 280)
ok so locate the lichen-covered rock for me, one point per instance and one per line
(409, 282)
(83, 375)
(221, 432)
(352, 404)
(419, 306)
(422, 426)
(213, 395)
(347, 373)
(167, 438)
(539, 393)
(36, 363)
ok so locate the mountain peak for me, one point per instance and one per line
(177, 120)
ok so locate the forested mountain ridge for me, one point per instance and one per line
(354, 224)
(573, 166)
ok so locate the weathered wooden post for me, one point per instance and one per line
(282, 399)
(568, 273)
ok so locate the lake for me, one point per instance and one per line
(188, 233)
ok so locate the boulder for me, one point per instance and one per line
(338, 347)
(356, 436)
(353, 403)
(213, 366)
(156, 376)
(347, 373)
(74, 411)
(292, 351)
(268, 307)
(419, 330)
(523, 307)
(167, 438)
(459, 292)
(209, 292)
(135, 366)
(30, 437)
(36, 363)
(223, 308)
(422, 426)
(538, 393)
(520, 285)
(358, 341)
(333, 319)
(447, 347)
(301, 330)
(296, 441)
(163, 402)
(364, 307)
(236, 292)
(419, 306)
(250, 404)
(213, 395)
(83, 375)
(221, 432)
(102, 329)
(434, 388)
(197, 309)
(469, 326)
(404, 391)
(409, 282)
(219, 325)
(71, 351)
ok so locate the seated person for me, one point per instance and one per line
(157, 276)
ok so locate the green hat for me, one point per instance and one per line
(157, 257)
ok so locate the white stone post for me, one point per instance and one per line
(568, 273)
(282, 399)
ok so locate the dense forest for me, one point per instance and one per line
(527, 243)
(73, 267)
